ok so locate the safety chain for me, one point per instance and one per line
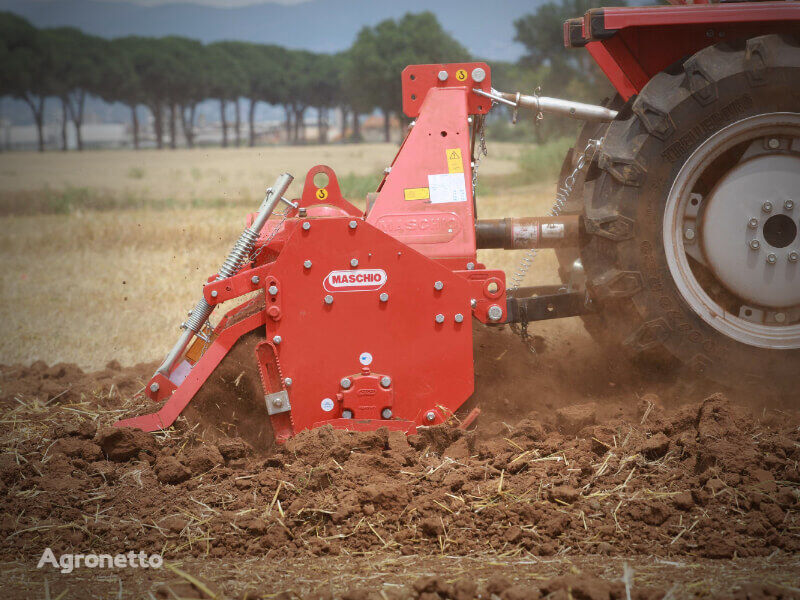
(482, 151)
(563, 194)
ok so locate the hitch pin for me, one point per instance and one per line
(543, 104)
(284, 199)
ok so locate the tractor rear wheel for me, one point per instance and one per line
(692, 215)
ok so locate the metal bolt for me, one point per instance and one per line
(793, 256)
(442, 75)
(771, 258)
(752, 223)
(473, 303)
(352, 224)
(384, 296)
(755, 244)
(773, 143)
(386, 413)
(438, 285)
(439, 318)
(276, 339)
(287, 382)
(273, 289)
(277, 402)
(689, 233)
(346, 383)
(154, 387)
(470, 266)
(478, 74)
(307, 264)
(430, 415)
(214, 293)
(302, 213)
(459, 317)
(353, 262)
(255, 279)
(495, 313)
(306, 225)
(328, 299)
(386, 381)
(387, 170)
(788, 205)
(767, 207)
(469, 120)
(347, 414)
(780, 317)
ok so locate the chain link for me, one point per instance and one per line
(563, 194)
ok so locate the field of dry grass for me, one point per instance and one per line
(87, 286)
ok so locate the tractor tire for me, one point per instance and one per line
(668, 267)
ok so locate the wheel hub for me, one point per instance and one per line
(732, 230)
(749, 231)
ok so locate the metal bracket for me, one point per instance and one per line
(278, 402)
(546, 307)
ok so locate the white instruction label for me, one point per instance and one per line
(448, 187)
(553, 230)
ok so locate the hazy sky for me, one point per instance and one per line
(217, 3)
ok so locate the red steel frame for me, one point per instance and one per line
(632, 44)
(382, 300)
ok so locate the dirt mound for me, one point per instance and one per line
(700, 481)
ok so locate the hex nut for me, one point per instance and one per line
(794, 256)
(154, 387)
(772, 258)
(773, 143)
(766, 207)
(306, 225)
(352, 224)
(478, 74)
(438, 286)
(788, 204)
(459, 318)
(346, 383)
(328, 299)
(273, 289)
(430, 415)
(442, 75)
(287, 382)
(384, 297)
(276, 339)
(755, 244)
(495, 313)
(439, 318)
(307, 264)
(470, 266)
(752, 223)
(386, 381)
(353, 262)
(255, 279)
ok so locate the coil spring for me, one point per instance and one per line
(240, 252)
(198, 317)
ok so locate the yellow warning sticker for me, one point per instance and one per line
(416, 193)
(461, 75)
(454, 162)
(322, 194)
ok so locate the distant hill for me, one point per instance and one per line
(485, 28)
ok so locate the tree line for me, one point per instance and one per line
(172, 75)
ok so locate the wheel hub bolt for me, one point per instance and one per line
(430, 415)
(439, 318)
(788, 205)
(328, 299)
(689, 233)
(767, 207)
(793, 256)
(273, 289)
(386, 413)
(771, 258)
(755, 244)
(346, 383)
(752, 223)
(386, 381)
(780, 317)
(307, 264)
(773, 143)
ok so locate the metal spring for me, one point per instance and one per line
(240, 252)
(198, 317)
